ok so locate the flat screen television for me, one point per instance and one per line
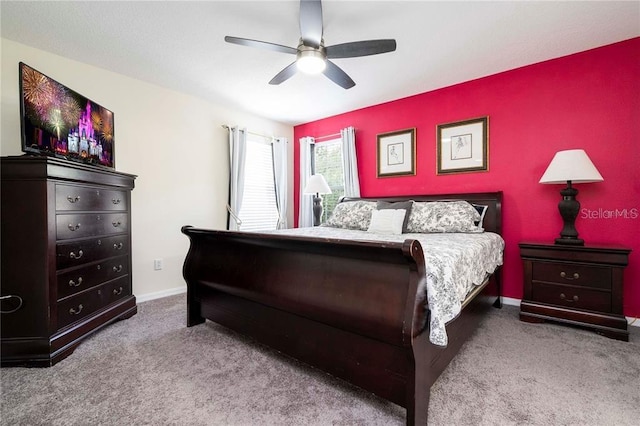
(58, 121)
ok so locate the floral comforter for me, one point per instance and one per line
(455, 264)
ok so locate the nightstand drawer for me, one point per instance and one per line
(572, 297)
(572, 274)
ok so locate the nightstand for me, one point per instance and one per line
(576, 285)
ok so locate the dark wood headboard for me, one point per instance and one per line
(492, 218)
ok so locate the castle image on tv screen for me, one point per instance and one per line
(58, 121)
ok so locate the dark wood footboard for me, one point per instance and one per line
(355, 309)
(349, 308)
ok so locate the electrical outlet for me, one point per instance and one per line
(157, 264)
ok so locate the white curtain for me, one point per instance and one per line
(280, 170)
(350, 163)
(237, 156)
(305, 214)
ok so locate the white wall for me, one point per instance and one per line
(174, 142)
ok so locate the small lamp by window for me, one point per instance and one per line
(571, 166)
(317, 185)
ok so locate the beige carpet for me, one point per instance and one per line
(153, 370)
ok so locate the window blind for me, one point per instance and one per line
(259, 211)
(328, 162)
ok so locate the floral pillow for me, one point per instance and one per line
(443, 216)
(352, 215)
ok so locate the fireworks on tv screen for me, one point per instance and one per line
(59, 122)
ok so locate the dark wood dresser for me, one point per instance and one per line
(66, 256)
(577, 285)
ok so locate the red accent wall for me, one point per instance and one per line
(588, 100)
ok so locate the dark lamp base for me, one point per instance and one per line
(569, 208)
(317, 210)
(570, 241)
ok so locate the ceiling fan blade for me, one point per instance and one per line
(339, 77)
(360, 48)
(260, 44)
(285, 74)
(311, 22)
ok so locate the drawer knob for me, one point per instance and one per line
(115, 200)
(72, 283)
(117, 268)
(73, 227)
(76, 256)
(567, 277)
(574, 299)
(118, 246)
(117, 292)
(76, 311)
(73, 200)
(116, 224)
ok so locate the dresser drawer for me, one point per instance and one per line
(116, 290)
(88, 302)
(572, 297)
(76, 198)
(573, 274)
(90, 225)
(77, 280)
(80, 252)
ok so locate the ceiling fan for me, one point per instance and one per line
(312, 55)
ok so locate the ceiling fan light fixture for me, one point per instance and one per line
(312, 57)
(311, 61)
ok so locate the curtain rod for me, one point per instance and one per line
(252, 133)
(328, 136)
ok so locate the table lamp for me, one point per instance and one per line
(317, 185)
(570, 166)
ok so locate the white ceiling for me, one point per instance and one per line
(180, 44)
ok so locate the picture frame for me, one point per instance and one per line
(463, 146)
(396, 153)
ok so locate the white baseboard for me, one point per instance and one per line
(160, 294)
(511, 302)
(633, 322)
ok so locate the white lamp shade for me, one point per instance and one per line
(572, 165)
(317, 185)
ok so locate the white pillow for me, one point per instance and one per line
(482, 210)
(388, 221)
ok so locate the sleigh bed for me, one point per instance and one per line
(356, 308)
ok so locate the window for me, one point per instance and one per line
(259, 211)
(327, 161)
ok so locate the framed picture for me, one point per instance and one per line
(463, 146)
(397, 153)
